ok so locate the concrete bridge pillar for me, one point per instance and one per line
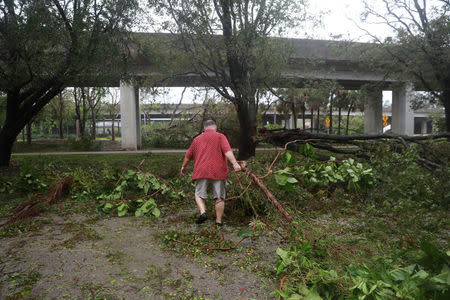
(402, 114)
(373, 111)
(130, 116)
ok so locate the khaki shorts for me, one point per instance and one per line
(218, 187)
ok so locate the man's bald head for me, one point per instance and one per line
(209, 124)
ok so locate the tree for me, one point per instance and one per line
(342, 101)
(420, 49)
(112, 108)
(240, 59)
(94, 98)
(353, 101)
(59, 108)
(289, 102)
(81, 110)
(318, 97)
(46, 45)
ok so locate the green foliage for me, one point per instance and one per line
(351, 174)
(310, 278)
(159, 136)
(6, 186)
(89, 182)
(86, 143)
(354, 175)
(273, 126)
(133, 194)
(382, 281)
(400, 174)
(30, 180)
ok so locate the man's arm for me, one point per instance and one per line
(183, 166)
(230, 156)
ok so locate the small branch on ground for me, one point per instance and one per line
(32, 208)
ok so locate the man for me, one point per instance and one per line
(210, 151)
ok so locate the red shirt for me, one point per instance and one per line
(208, 152)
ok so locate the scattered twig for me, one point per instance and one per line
(121, 176)
(228, 248)
(153, 194)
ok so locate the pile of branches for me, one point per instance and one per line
(359, 145)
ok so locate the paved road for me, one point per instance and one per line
(159, 151)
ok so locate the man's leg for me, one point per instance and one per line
(219, 196)
(200, 204)
(200, 196)
(220, 207)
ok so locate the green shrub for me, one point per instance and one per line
(86, 143)
(133, 195)
(405, 184)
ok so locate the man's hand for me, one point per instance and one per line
(183, 171)
(237, 167)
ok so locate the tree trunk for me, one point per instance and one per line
(246, 111)
(113, 135)
(12, 127)
(18, 117)
(445, 100)
(77, 128)
(294, 115)
(28, 128)
(61, 129)
(312, 120)
(318, 120)
(331, 115)
(94, 125)
(348, 118)
(303, 118)
(339, 120)
(7, 138)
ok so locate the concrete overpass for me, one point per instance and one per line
(309, 59)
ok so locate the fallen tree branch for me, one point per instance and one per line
(358, 145)
(32, 208)
(269, 195)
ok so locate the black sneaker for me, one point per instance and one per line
(202, 218)
(219, 224)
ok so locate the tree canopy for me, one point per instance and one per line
(227, 45)
(420, 48)
(47, 44)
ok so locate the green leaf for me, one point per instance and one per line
(280, 179)
(156, 212)
(282, 253)
(291, 180)
(244, 233)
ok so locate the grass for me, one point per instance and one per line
(65, 145)
(343, 227)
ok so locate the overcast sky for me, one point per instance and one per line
(339, 17)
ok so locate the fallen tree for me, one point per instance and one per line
(359, 145)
